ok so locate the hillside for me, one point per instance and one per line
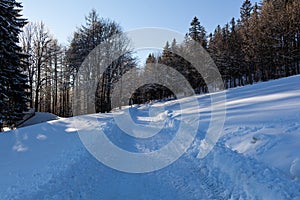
(257, 156)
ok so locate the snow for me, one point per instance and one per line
(295, 169)
(257, 156)
(39, 117)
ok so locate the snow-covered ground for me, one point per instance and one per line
(39, 117)
(257, 156)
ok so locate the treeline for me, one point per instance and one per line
(263, 44)
(52, 68)
(36, 71)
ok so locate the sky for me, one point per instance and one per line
(63, 16)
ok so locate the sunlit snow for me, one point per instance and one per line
(257, 156)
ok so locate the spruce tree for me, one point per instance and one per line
(13, 81)
(245, 11)
(197, 32)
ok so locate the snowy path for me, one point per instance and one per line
(256, 158)
(223, 174)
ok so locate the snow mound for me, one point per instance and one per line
(39, 117)
(295, 169)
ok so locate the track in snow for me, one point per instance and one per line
(48, 161)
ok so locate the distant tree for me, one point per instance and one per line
(42, 65)
(218, 51)
(95, 32)
(151, 58)
(26, 41)
(245, 11)
(236, 56)
(197, 32)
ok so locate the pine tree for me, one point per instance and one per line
(197, 32)
(236, 55)
(249, 35)
(13, 97)
(151, 58)
(245, 11)
(218, 51)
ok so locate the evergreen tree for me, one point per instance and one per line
(13, 95)
(151, 58)
(236, 55)
(249, 34)
(245, 11)
(217, 52)
(197, 32)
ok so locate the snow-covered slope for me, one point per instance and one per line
(257, 157)
(39, 117)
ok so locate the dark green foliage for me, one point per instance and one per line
(151, 92)
(13, 97)
(197, 32)
(262, 45)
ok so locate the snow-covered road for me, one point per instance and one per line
(257, 156)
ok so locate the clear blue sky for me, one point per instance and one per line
(63, 16)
